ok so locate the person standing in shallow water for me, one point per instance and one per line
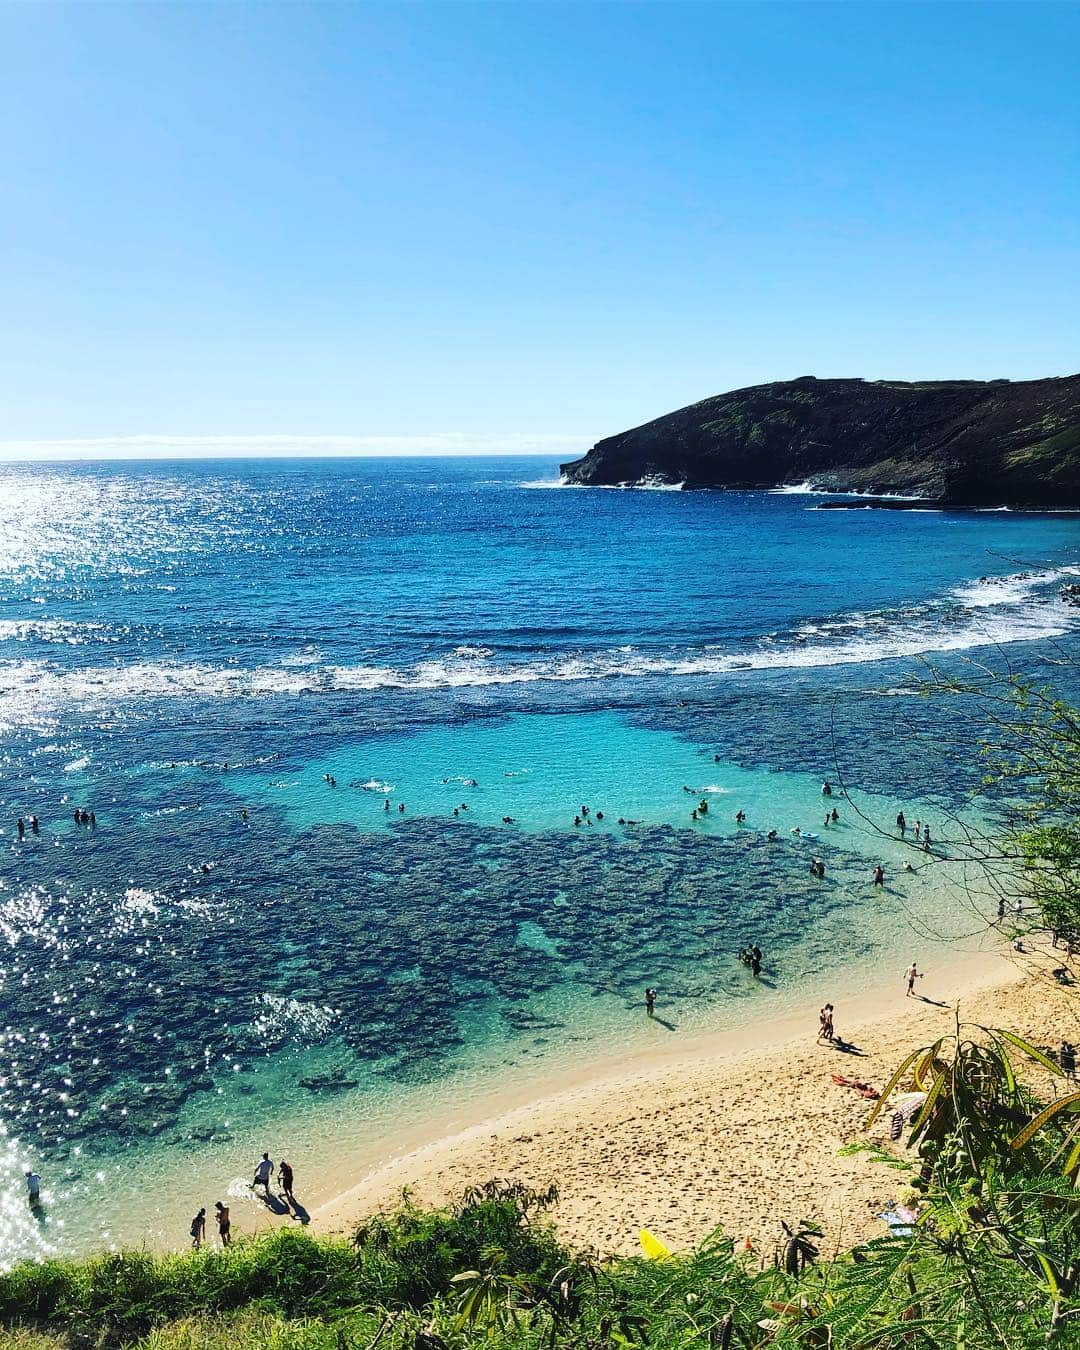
(285, 1179)
(263, 1172)
(198, 1229)
(650, 1001)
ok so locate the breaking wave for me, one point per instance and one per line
(1024, 607)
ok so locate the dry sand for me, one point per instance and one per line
(737, 1131)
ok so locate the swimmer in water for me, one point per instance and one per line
(21, 828)
(771, 835)
(826, 789)
(401, 808)
(740, 816)
(834, 815)
(386, 804)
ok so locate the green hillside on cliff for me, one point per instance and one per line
(957, 442)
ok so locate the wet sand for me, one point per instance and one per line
(739, 1130)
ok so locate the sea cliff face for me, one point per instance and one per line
(955, 442)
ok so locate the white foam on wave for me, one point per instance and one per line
(1018, 608)
(650, 483)
(988, 592)
(805, 489)
(809, 489)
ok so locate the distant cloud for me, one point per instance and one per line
(210, 447)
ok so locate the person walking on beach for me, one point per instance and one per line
(825, 1023)
(912, 976)
(224, 1226)
(650, 1001)
(198, 1229)
(263, 1172)
(285, 1179)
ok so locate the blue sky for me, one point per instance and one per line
(365, 227)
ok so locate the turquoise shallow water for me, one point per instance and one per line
(180, 644)
(542, 770)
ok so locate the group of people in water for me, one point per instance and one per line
(922, 832)
(264, 1171)
(79, 815)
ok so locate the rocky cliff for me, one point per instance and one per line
(956, 442)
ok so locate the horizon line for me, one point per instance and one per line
(436, 445)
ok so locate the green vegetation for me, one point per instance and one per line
(991, 1263)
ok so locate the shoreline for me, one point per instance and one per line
(722, 1130)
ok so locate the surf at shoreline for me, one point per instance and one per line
(238, 668)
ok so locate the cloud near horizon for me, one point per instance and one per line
(440, 443)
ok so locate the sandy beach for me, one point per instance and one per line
(734, 1132)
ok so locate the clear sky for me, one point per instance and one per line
(443, 226)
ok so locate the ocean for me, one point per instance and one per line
(339, 722)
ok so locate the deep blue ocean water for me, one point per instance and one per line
(184, 643)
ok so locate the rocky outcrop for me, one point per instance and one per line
(955, 442)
